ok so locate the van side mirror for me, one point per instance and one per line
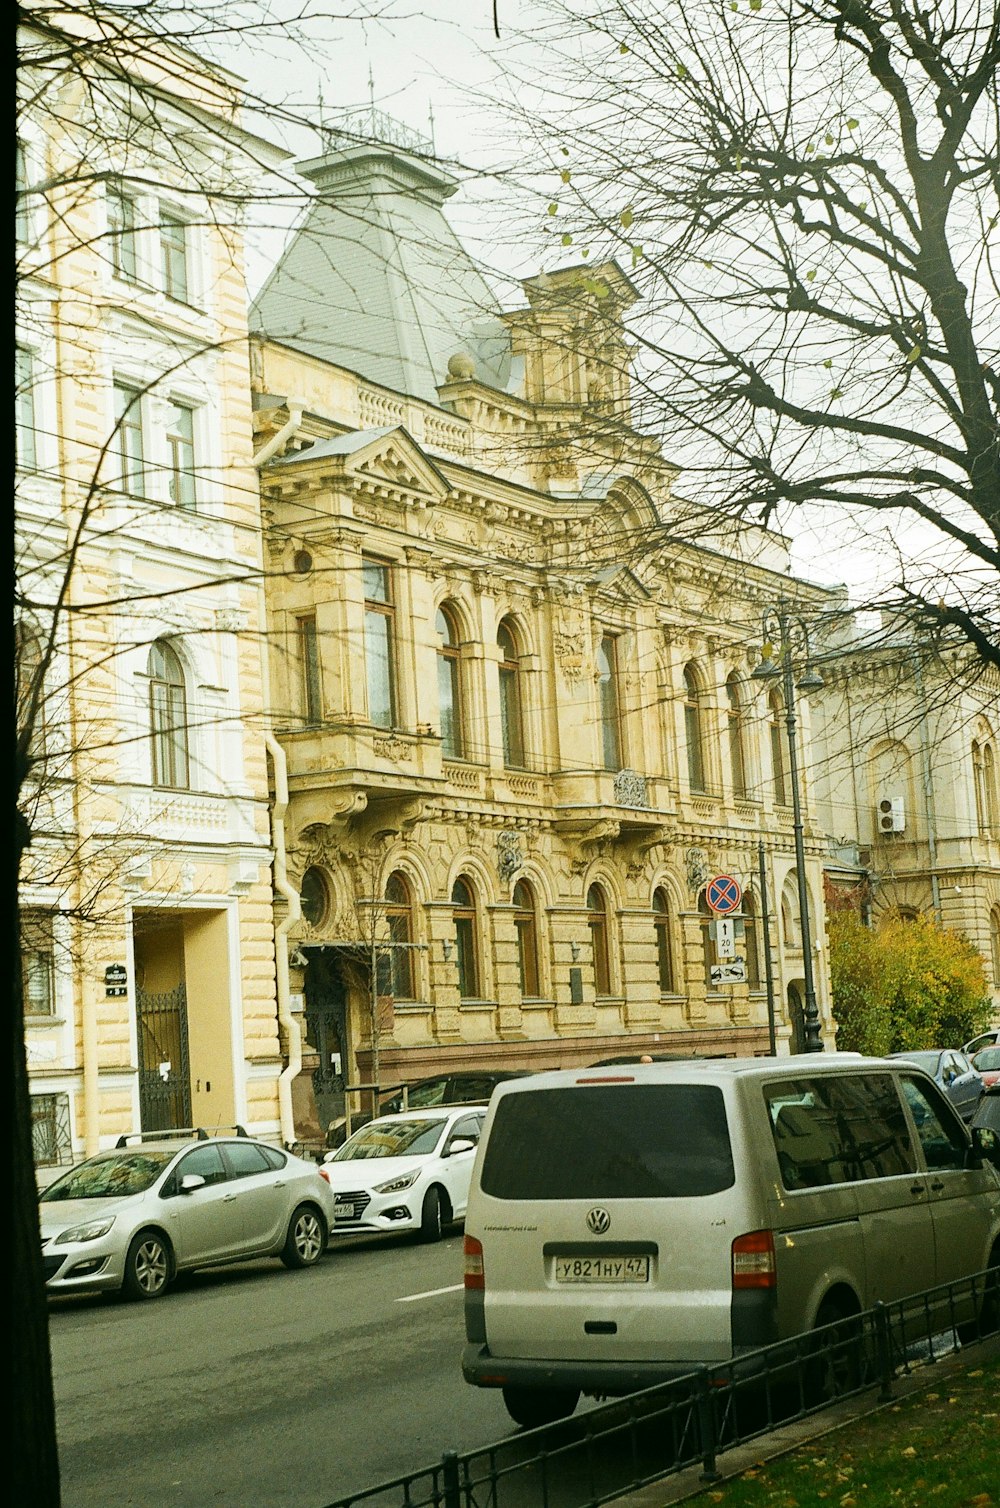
(986, 1145)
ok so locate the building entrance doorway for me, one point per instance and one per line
(164, 1062)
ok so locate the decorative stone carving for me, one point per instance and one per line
(509, 856)
(697, 867)
(230, 620)
(630, 788)
(569, 653)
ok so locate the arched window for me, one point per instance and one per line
(511, 700)
(705, 918)
(610, 709)
(776, 731)
(527, 939)
(463, 904)
(995, 944)
(991, 802)
(167, 717)
(694, 730)
(399, 920)
(664, 949)
(791, 915)
(737, 751)
(597, 921)
(450, 684)
(751, 942)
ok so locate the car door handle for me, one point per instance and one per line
(916, 1188)
(937, 1186)
(228, 1198)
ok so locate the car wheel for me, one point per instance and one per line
(147, 1266)
(306, 1240)
(533, 1407)
(833, 1368)
(431, 1220)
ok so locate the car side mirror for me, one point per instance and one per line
(190, 1182)
(460, 1144)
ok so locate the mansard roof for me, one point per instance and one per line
(375, 279)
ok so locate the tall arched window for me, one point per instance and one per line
(990, 802)
(610, 708)
(751, 941)
(511, 699)
(664, 948)
(776, 731)
(694, 733)
(597, 921)
(791, 915)
(399, 920)
(463, 903)
(450, 684)
(995, 944)
(167, 717)
(526, 925)
(734, 725)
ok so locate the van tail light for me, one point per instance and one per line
(753, 1260)
(474, 1275)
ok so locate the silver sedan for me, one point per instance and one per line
(135, 1216)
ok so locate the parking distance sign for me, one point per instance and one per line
(724, 894)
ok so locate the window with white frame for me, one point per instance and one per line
(122, 216)
(168, 717)
(129, 448)
(25, 432)
(175, 257)
(22, 215)
(38, 963)
(181, 480)
(380, 619)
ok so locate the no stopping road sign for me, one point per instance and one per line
(724, 894)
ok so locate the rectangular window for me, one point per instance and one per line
(128, 417)
(309, 664)
(838, 1130)
(180, 450)
(51, 1138)
(24, 399)
(628, 1141)
(379, 627)
(174, 256)
(22, 218)
(121, 227)
(37, 964)
(607, 679)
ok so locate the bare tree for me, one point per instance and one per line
(805, 192)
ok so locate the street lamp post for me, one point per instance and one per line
(787, 633)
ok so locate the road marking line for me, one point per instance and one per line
(431, 1293)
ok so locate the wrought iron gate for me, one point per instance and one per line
(164, 1066)
(326, 1024)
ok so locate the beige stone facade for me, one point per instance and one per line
(520, 726)
(148, 947)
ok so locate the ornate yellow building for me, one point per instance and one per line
(514, 696)
(147, 930)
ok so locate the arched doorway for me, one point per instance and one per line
(796, 1017)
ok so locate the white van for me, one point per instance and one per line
(627, 1225)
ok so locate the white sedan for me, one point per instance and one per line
(405, 1172)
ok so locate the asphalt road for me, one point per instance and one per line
(253, 1387)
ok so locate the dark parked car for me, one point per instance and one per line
(952, 1071)
(472, 1087)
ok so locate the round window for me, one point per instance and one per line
(302, 562)
(315, 897)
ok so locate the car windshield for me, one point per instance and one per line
(395, 1138)
(988, 1058)
(119, 1174)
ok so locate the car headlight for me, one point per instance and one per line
(396, 1185)
(92, 1231)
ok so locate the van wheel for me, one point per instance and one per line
(987, 1320)
(833, 1368)
(533, 1407)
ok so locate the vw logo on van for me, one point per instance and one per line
(598, 1221)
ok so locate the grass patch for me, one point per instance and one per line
(938, 1448)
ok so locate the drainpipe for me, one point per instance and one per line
(293, 1032)
(287, 430)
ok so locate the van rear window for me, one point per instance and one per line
(628, 1141)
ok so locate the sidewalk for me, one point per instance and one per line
(733, 1463)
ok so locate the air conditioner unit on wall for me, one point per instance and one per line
(890, 816)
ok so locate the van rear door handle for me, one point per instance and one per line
(937, 1186)
(916, 1188)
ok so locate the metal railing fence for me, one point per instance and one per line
(623, 1445)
